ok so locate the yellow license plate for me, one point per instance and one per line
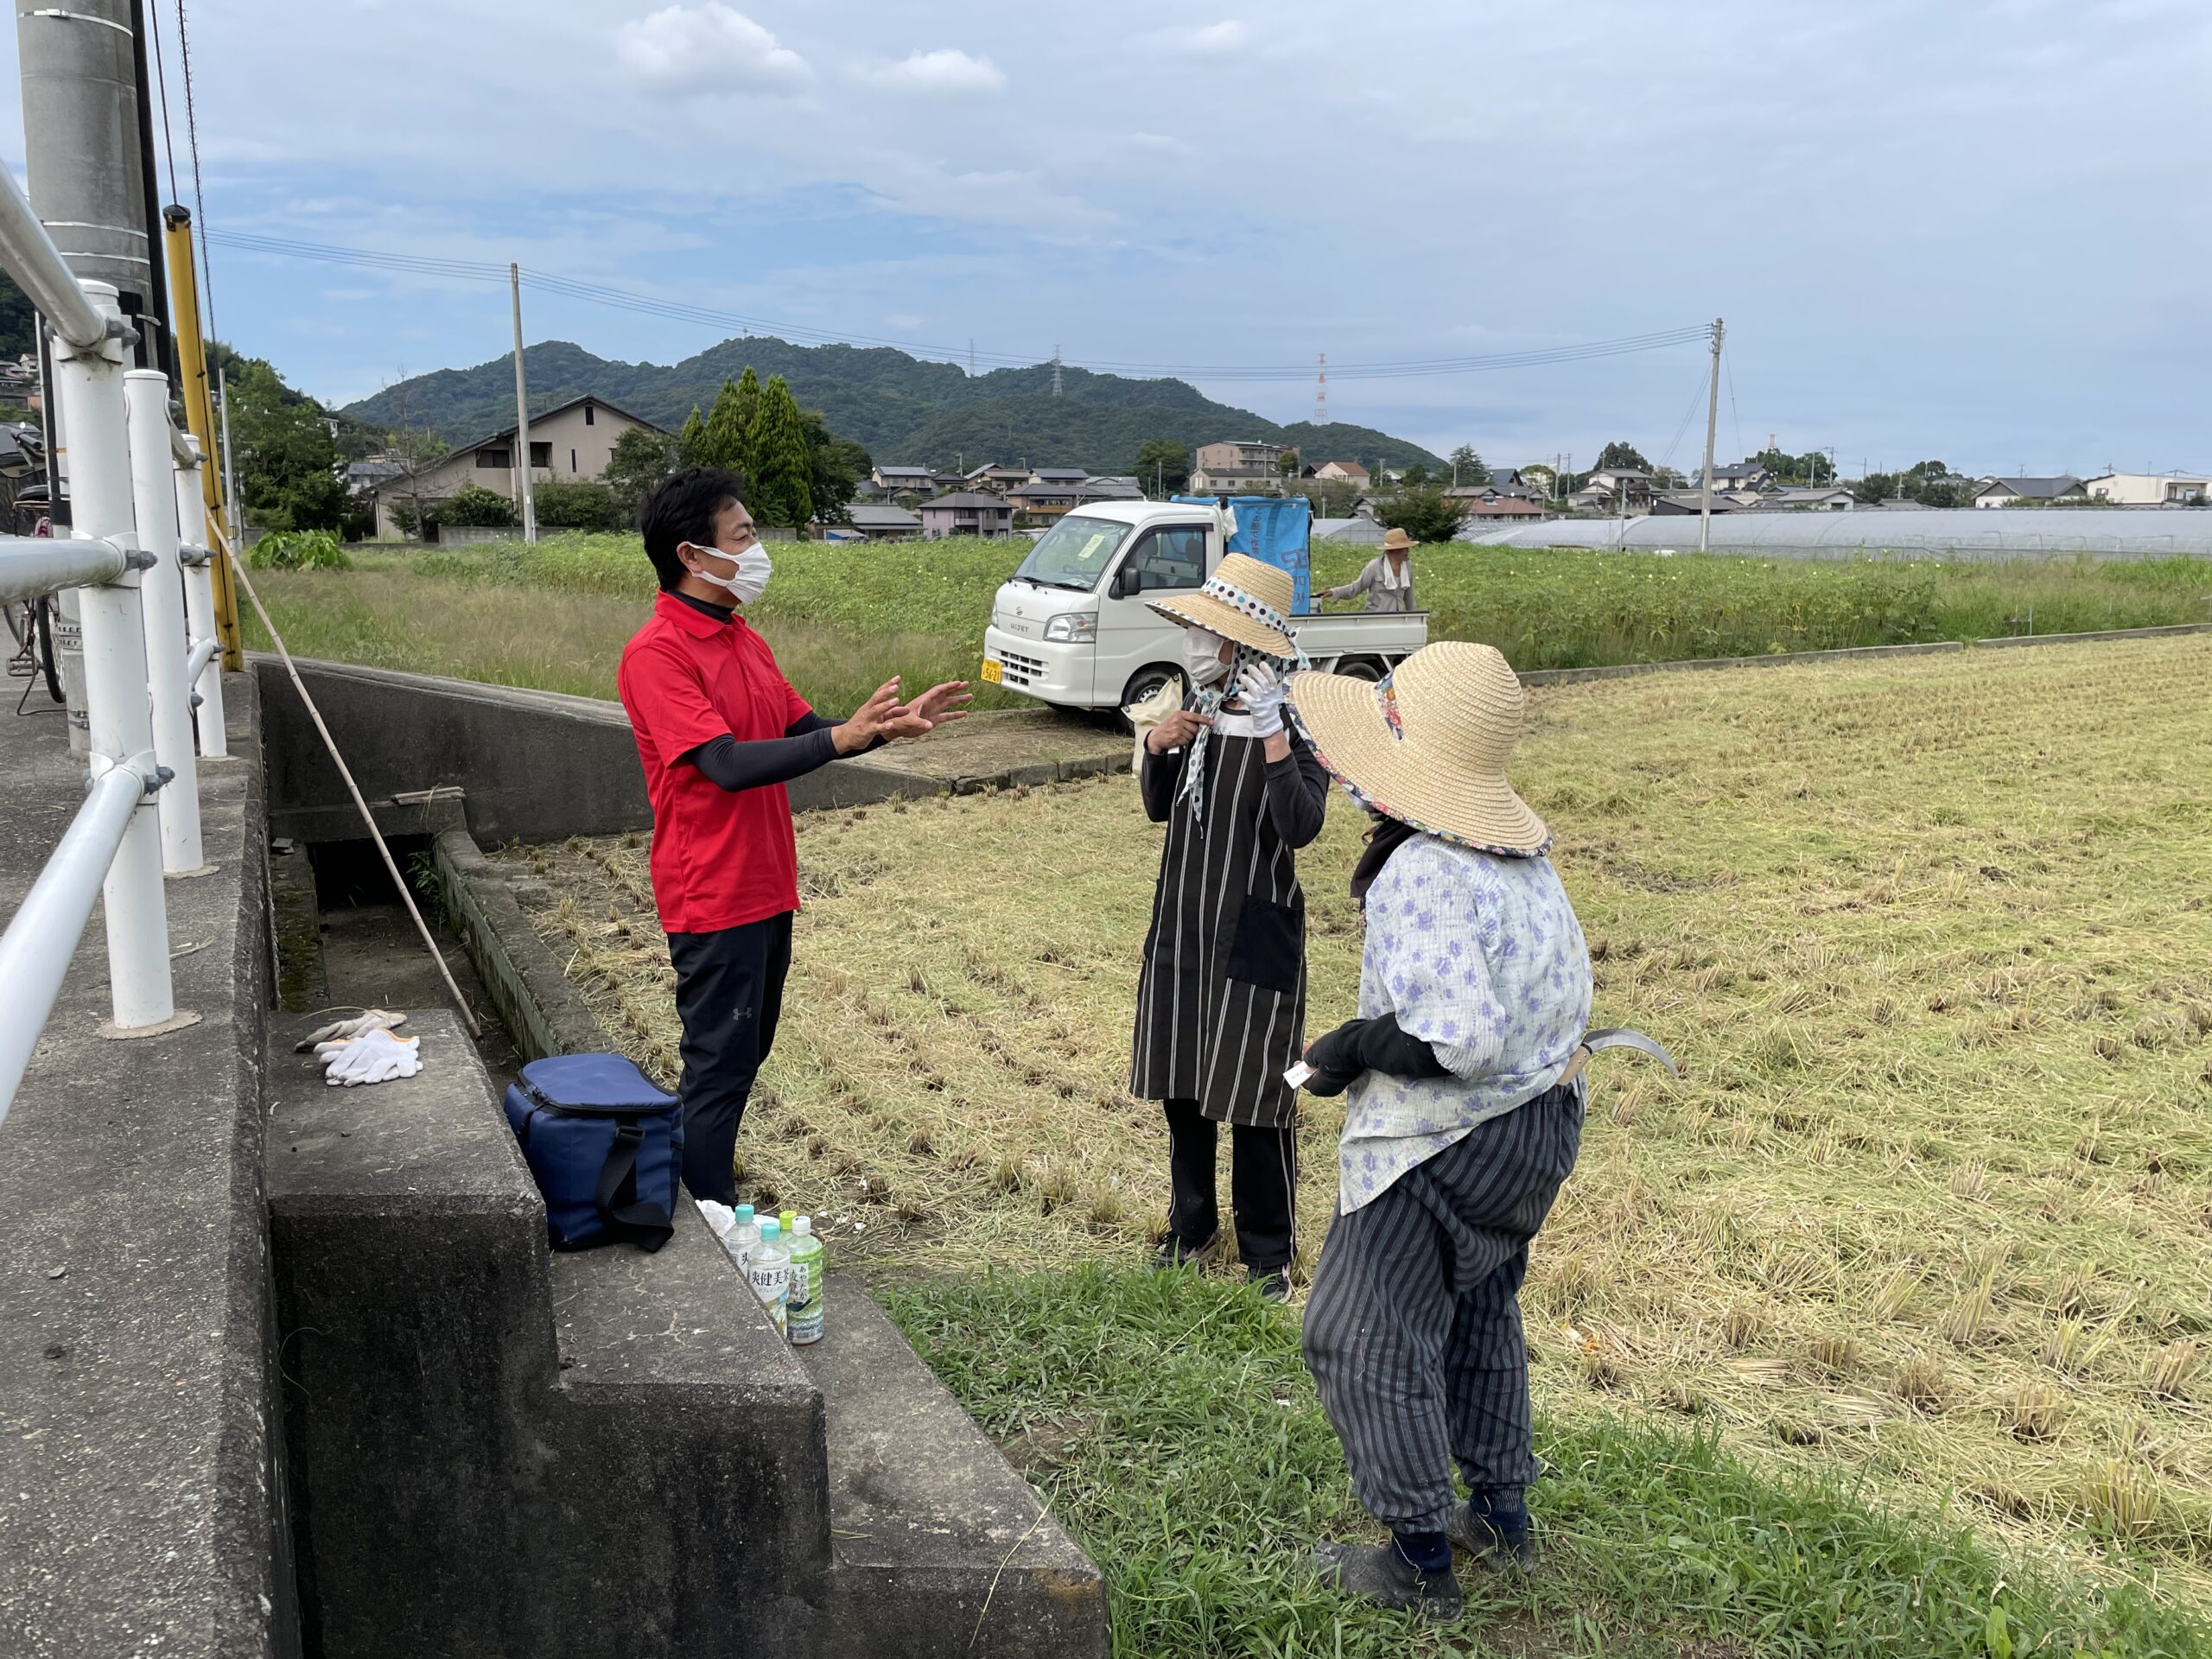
(992, 671)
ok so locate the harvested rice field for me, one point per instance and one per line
(1931, 1210)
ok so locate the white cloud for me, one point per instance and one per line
(946, 72)
(705, 48)
(1229, 34)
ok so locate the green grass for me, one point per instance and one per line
(844, 618)
(1170, 1423)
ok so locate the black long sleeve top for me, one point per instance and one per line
(1298, 790)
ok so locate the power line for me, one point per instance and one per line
(199, 204)
(161, 79)
(683, 311)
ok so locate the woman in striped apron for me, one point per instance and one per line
(1221, 1006)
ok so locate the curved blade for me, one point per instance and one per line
(1620, 1036)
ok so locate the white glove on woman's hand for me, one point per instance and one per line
(1261, 688)
(377, 1056)
(344, 1031)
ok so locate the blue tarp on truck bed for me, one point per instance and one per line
(1275, 530)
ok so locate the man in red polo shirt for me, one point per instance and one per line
(719, 732)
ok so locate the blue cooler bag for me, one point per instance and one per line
(605, 1147)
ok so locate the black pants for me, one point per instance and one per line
(1263, 1185)
(729, 992)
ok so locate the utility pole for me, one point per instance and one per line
(1711, 420)
(524, 498)
(1056, 370)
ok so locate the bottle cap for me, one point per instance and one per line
(768, 1226)
(789, 1216)
(803, 1226)
(745, 1212)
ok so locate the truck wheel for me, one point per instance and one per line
(1369, 668)
(1143, 684)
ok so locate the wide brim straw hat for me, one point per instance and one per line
(1396, 541)
(1428, 745)
(1245, 601)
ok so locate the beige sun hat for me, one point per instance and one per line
(1245, 601)
(1428, 745)
(1395, 540)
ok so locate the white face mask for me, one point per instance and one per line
(1202, 664)
(751, 580)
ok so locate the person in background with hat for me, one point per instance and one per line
(1463, 1116)
(1387, 578)
(1221, 1003)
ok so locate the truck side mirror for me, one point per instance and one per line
(1126, 582)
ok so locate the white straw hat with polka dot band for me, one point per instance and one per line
(1245, 601)
(1428, 745)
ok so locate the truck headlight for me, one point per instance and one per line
(1073, 627)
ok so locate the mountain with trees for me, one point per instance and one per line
(900, 409)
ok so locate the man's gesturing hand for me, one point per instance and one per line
(1178, 730)
(869, 721)
(934, 707)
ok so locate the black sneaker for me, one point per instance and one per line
(1378, 1573)
(1272, 1283)
(1497, 1548)
(1174, 1253)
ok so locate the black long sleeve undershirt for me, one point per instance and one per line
(1362, 1045)
(805, 746)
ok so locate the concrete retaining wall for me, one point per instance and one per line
(533, 765)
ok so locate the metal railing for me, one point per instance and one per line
(135, 556)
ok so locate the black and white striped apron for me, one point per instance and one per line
(1221, 1005)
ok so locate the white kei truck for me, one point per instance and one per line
(1071, 628)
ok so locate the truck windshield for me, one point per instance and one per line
(1073, 553)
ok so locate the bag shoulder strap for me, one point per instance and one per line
(647, 1225)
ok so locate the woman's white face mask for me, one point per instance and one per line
(750, 580)
(1202, 664)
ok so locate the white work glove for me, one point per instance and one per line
(375, 1056)
(344, 1031)
(1261, 688)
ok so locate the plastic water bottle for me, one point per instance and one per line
(771, 1273)
(743, 1238)
(805, 1302)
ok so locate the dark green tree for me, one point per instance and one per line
(837, 466)
(1163, 465)
(18, 320)
(470, 505)
(691, 440)
(1617, 454)
(578, 504)
(729, 424)
(1425, 513)
(779, 473)
(287, 456)
(1416, 476)
(642, 458)
(1467, 467)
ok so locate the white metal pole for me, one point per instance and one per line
(233, 509)
(161, 595)
(200, 601)
(119, 718)
(526, 499)
(1712, 419)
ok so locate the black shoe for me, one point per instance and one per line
(1492, 1547)
(1272, 1283)
(1378, 1573)
(1174, 1253)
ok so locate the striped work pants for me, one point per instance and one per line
(1413, 1329)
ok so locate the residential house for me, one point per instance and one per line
(996, 477)
(1674, 503)
(1042, 503)
(1238, 467)
(967, 512)
(1614, 486)
(1063, 476)
(1115, 489)
(1819, 498)
(573, 439)
(2149, 490)
(1337, 472)
(1994, 492)
(904, 480)
(1740, 475)
(1502, 486)
(1503, 508)
(879, 521)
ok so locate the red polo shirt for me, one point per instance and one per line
(719, 858)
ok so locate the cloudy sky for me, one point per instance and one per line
(1976, 230)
